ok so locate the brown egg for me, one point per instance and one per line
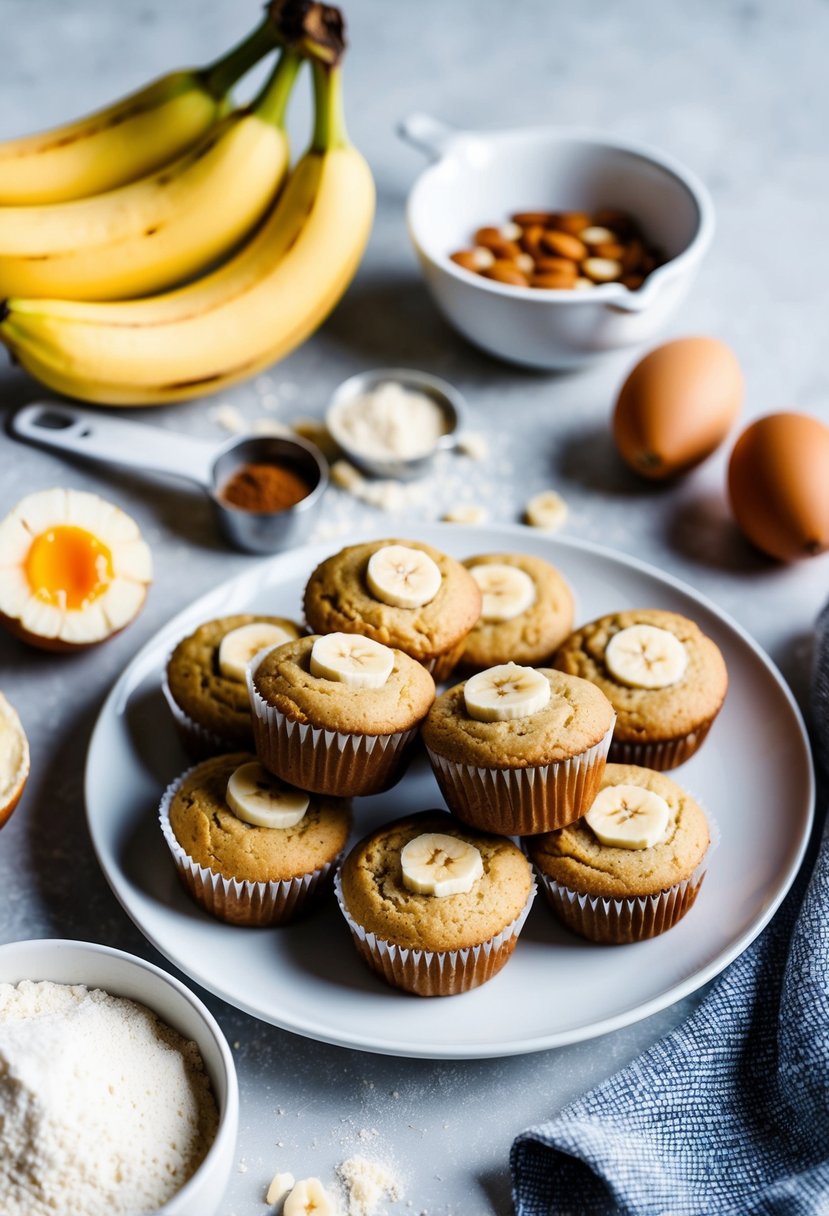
(778, 483)
(677, 406)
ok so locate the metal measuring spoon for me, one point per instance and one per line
(148, 449)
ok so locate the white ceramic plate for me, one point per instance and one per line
(754, 774)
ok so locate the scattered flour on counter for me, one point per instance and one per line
(366, 1183)
(104, 1110)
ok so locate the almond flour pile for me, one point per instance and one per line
(105, 1111)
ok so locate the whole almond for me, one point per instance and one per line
(602, 270)
(553, 281)
(557, 266)
(531, 219)
(493, 238)
(506, 272)
(595, 234)
(531, 240)
(633, 255)
(564, 245)
(633, 281)
(610, 249)
(475, 260)
(570, 221)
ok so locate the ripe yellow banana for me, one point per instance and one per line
(130, 138)
(163, 228)
(226, 327)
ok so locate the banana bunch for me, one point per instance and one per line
(85, 310)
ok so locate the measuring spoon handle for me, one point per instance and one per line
(133, 445)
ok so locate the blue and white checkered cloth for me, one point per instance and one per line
(729, 1114)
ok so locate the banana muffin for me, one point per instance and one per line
(519, 750)
(205, 684)
(433, 907)
(399, 592)
(527, 610)
(337, 713)
(666, 680)
(250, 849)
(633, 865)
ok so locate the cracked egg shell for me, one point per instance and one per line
(74, 569)
(14, 759)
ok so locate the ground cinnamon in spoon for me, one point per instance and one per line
(265, 487)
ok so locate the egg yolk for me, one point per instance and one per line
(68, 567)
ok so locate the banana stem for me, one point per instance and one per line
(273, 99)
(329, 117)
(220, 76)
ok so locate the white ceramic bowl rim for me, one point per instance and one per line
(229, 1113)
(452, 142)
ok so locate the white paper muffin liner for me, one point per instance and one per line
(434, 972)
(326, 761)
(620, 921)
(238, 901)
(660, 754)
(198, 741)
(522, 801)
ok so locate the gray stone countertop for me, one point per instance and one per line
(738, 90)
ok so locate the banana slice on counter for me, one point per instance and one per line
(505, 692)
(546, 510)
(436, 864)
(281, 1185)
(507, 591)
(238, 647)
(644, 656)
(309, 1198)
(629, 817)
(402, 577)
(353, 660)
(257, 797)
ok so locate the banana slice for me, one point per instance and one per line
(505, 692)
(352, 660)
(402, 577)
(435, 864)
(507, 591)
(281, 1184)
(238, 647)
(546, 510)
(629, 817)
(257, 797)
(644, 656)
(309, 1198)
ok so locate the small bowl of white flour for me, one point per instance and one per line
(390, 422)
(118, 1092)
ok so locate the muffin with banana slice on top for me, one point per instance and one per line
(519, 750)
(337, 713)
(402, 593)
(526, 610)
(433, 907)
(250, 849)
(633, 865)
(663, 676)
(204, 684)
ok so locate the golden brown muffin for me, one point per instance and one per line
(525, 775)
(614, 894)
(241, 873)
(338, 599)
(659, 728)
(212, 712)
(324, 735)
(413, 939)
(532, 635)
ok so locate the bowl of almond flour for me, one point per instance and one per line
(118, 1093)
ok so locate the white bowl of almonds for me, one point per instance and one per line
(551, 248)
